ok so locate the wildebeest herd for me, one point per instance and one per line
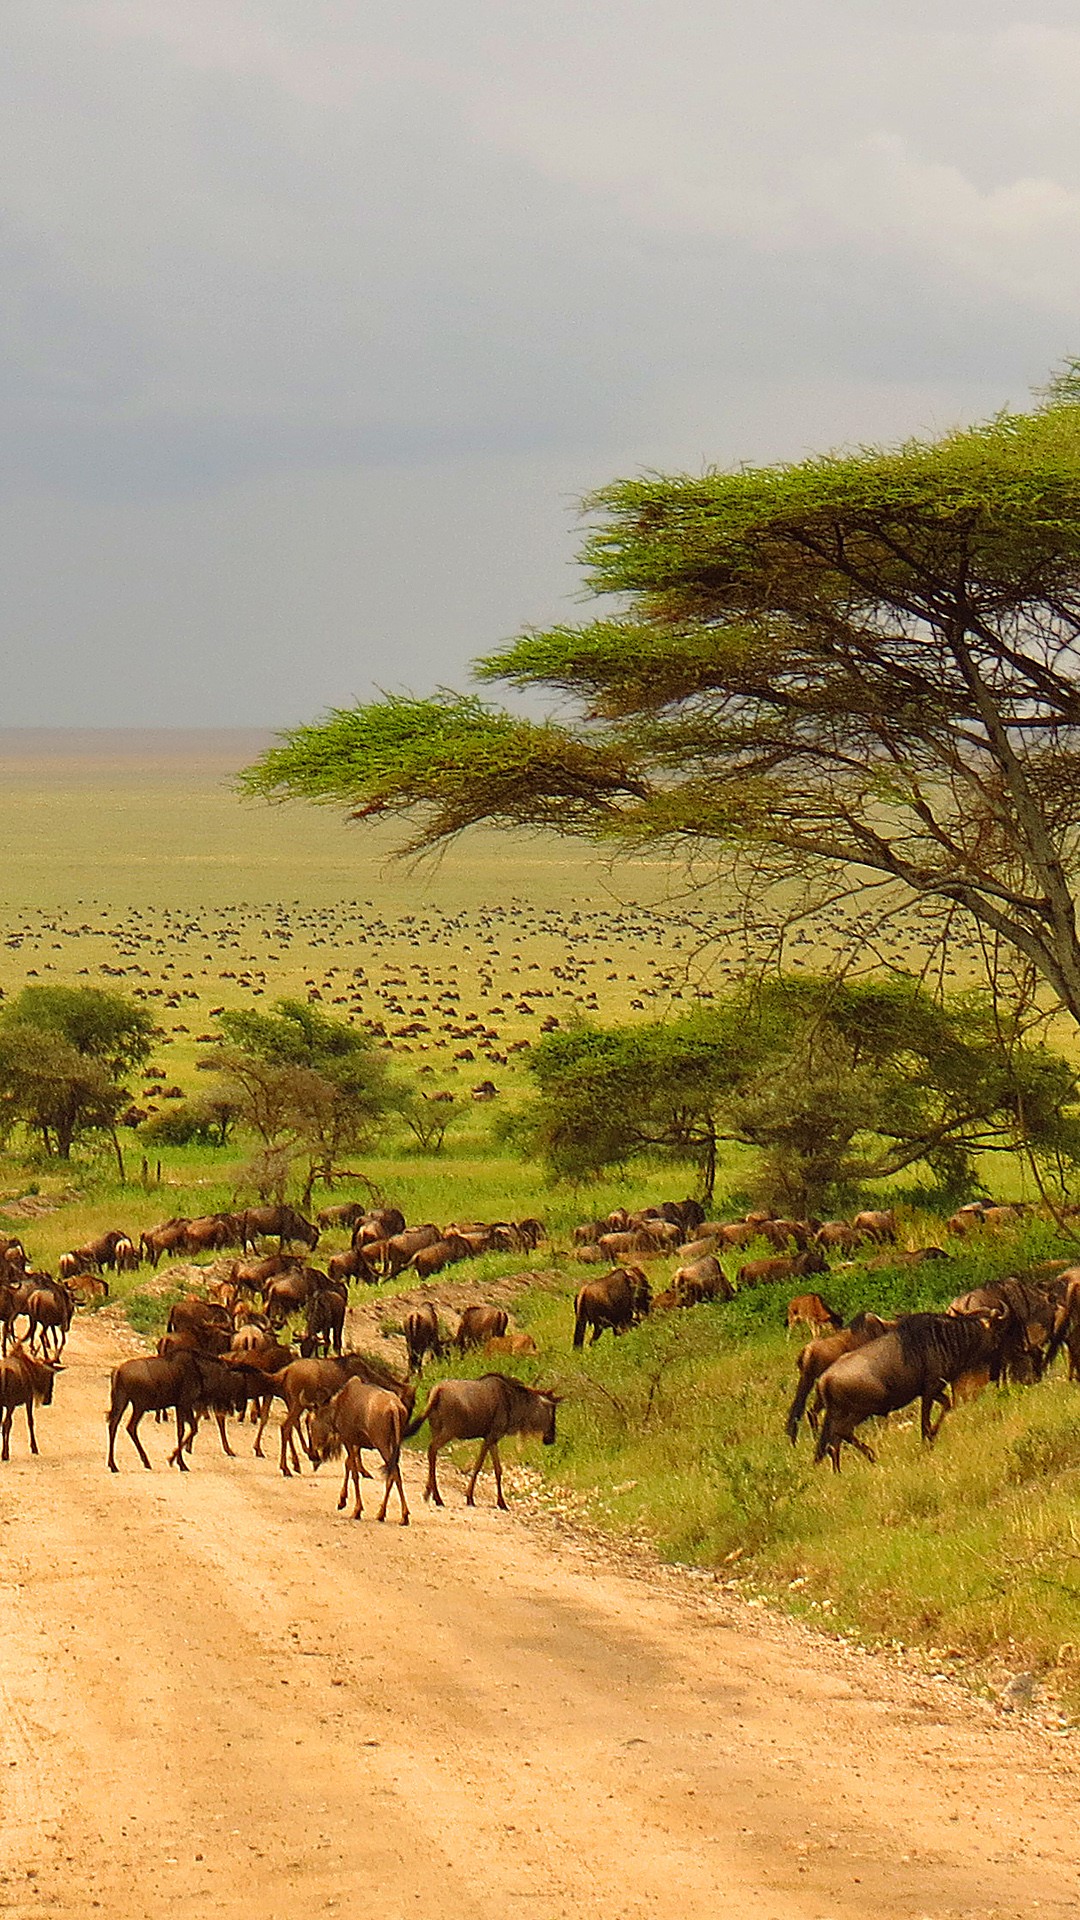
(221, 1355)
(224, 1356)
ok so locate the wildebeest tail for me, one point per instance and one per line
(798, 1405)
(580, 1323)
(824, 1439)
(416, 1423)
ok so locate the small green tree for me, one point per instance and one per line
(63, 1051)
(311, 1088)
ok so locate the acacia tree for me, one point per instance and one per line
(308, 1086)
(864, 666)
(833, 1083)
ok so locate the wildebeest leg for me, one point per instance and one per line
(344, 1497)
(286, 1441)
(431, 1491)
(497, 1464)
(133, 1429)
(930, 1429)
(471, 1488)
(394, 1480)
(30, 1424)
(5, 1450)
(264, 1412)
(861, 1447)
(225, 1447)
(176, 1457)
(352, 1460)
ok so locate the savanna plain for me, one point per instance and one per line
(687, 1672)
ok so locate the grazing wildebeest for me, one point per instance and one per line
(512, 1343)
(687, 1215)
(487, 1410)
(50, 1308)
(359, 1416)
(24, 1382)
(809, 1310)
(380, 1224)
(799, 1266)
(442, 1253)
(478, 1324)
(285, 1222)
(818, 1355)
(918, 1360)
(618, 1300)
(167, 1238)
(325, 1321)
(422, 1336)
(879, 1226)
(347, 1213)
(352, 1266)
(195, 1316)
(700, 1281)
(784, 1233)
(840, 1235)
(152, 1385)
(208, 1234)
(126, 1255)
(400, 1247)
(1027, 1328)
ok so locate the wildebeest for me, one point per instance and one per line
(511, 1343)
(400, 1247)
(879, 1226)
(487, 1410)
(445, 1252)
(380, 1224)
(325, 1321)
(347, 1213)
(478, 1324)
(166, 1238)
(283, 1221)
(359, 1416)
(818, 1355)
(809, 1310)
(916, 1361)
(24, 1382)
(700, 1281)
(353, 1265)
(152, 1384)
(799, 1266)
(422, 1336)
(1028, 1315)
(306, 1384)
(195, 1316)
(50, 1308)
(618, 1300)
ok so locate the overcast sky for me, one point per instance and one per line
(317, 316)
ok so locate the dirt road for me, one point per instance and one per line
(219, 1697)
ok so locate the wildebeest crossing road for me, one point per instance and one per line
(218, 1696)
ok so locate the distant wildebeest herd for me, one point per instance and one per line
(224, 1356)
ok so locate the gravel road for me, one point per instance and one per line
(219, 1697)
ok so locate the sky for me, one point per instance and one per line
(319, 317)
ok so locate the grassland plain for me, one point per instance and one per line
(130, 862)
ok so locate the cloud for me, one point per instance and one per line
(253, 244)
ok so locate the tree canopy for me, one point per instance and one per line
(309, 1087)
(62, 1053)
(835, 1084)
(860, 665)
